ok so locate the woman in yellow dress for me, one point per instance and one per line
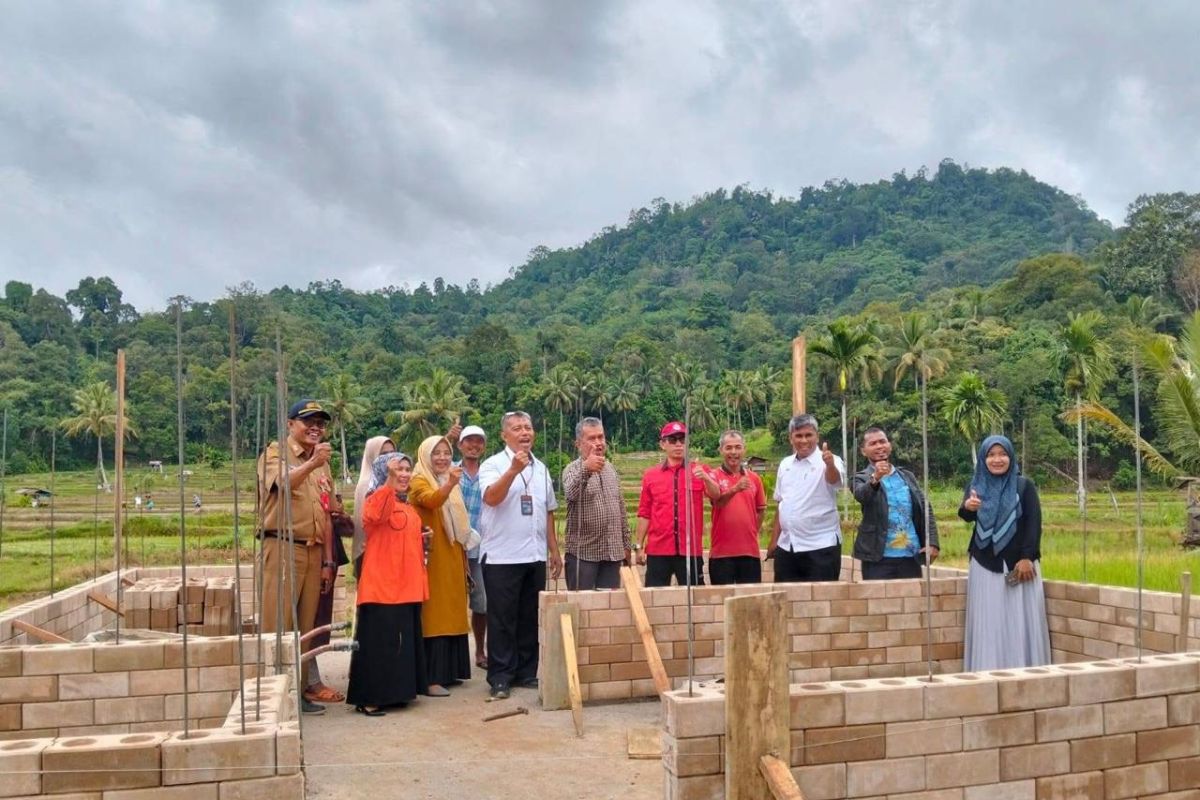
(445, 623)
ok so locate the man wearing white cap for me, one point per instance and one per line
(471, 444)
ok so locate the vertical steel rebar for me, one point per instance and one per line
(119, 487)
(256, 553)
(3, 474)
(928, 560)
(237, 542)
(53, 502)
(182, 515)
(687, 538)
(285, 487)
(1137, 470)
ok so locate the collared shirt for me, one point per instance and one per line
(808, 513)
(510, 537)
(473, 499)
(597, 529)
(735, 524)
(664, 503)
(310, 519)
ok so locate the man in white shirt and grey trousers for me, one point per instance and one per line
(517, 536)
(807, 540)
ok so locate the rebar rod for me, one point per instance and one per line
(1137, 471)
(237, 542)
(285, 484)
(53, 502)
(256, 552)
(928, 560)
(119, 487)
(687, 543)
(3, 473)
(182, 516)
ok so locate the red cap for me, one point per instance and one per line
(671, 429)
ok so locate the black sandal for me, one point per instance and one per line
(371, 712)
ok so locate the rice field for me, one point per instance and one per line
(82, 524)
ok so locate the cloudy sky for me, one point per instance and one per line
(182, 147)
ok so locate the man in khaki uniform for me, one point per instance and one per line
(312, 499)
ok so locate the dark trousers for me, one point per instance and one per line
(660, 570)
(808, 566)
(734, 569)
(512, 619)
(891, 568)
(582, 574)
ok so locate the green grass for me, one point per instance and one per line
(153, 538)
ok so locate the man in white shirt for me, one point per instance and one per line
(518, 533)
(807, 540)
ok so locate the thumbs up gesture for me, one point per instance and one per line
(972, 503)
(826, 454)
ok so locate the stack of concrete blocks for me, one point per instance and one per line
(94, 722)
(1112, 729)
(838, 631)
(204, 606)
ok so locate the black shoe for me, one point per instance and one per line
(371, 712)
(500, 691)
(309, 707)
(527, 683)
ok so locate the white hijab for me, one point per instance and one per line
(370, 453)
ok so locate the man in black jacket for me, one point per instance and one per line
(891, 539)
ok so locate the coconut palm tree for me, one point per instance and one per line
(602, 395)
(626, 397)
(558, 393)
(914, 351)
(431, 405)
(95, 407)
(852, 353)
(766, 378)
(704, 404)
(971, 407)
(1086, 362)
(343, 401)
(685, 375)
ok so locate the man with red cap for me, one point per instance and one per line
(671, 516)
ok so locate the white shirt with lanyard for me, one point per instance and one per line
(514, 532)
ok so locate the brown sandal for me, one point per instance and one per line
(320, 693)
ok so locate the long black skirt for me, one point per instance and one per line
(388, 668)
(448, 659)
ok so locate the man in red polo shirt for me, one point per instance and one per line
(738, 503)
(663, 517)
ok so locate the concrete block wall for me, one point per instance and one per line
(1110, 729)
(1090, 622)
(72, 690)
(837, 631)
(262, 761)
(72, 615)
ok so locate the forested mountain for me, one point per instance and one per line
(695, 300)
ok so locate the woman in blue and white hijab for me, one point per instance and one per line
(1006, 607)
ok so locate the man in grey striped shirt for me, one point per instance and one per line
(597, 528)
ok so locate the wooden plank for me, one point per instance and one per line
(662, 683)
(757, 718)
(1185, 613)
(568, 641)
(799, 353)
(97, 596)
(41, 634)
(644, 743)
(552, 685)
(779, 779)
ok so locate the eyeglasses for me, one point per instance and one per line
(314, 423)
(674, 438)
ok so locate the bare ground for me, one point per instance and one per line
(441, 748)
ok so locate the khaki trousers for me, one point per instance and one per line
(307, 561)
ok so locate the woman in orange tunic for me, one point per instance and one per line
(388, 669)
(444, 620)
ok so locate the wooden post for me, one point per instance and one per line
(1185, 613)
(757, 716)
(662, 683)
(552, 686)
(799, 351)
(779, 778)
(568, 641)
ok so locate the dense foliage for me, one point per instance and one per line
(694, 302)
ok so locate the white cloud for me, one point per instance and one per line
(181, 148)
